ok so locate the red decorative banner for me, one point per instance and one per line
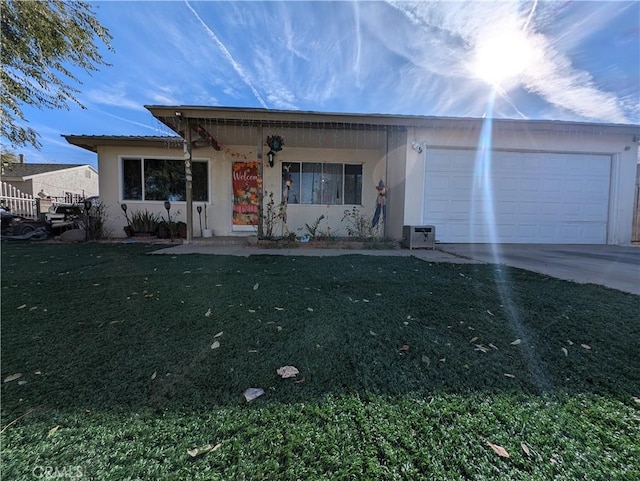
(246, 193)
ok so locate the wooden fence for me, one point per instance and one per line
(19, 203)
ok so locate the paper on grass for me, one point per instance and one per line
(253, 392)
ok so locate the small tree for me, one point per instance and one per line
(42, 41)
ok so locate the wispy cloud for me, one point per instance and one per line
(452, 31)
(113, 95)
(235, 65)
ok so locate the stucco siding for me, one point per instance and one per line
(621, 148)
(219, 209)
(78, 180)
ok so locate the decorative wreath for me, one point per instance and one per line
(275, 143)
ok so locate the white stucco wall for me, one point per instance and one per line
(563, 138)
(219, 209)
(82, 180)
(393, 159)
(76, 180)
(373, 169)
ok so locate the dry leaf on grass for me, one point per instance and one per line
(473, 339)
(13, 377)
(509, 375)
(287, 371)
(586, 346)
(404, 347)
(255, 288)
(279, 308)
(208, 313)
(154, 375)
(52, 431)
(516, 342)
(219, 334)
(526, 450)
(215, 345)
(499, 450)
(22, 306)
(207, 448)
(564, 350)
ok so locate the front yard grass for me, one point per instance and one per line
(408, 369)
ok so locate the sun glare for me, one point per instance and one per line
(502, 56)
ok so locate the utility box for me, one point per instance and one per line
(419, 236)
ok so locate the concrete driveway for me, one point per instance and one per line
(617, 267)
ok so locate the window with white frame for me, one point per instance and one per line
(322, 183)
(150, 179)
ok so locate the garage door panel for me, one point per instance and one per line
(531, 197)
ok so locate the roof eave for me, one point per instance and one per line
(92, 142)
(170, 116)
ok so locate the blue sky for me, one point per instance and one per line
(555, 60)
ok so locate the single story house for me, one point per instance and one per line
(59, 182)
(475, 180)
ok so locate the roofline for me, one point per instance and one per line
(262, 116)
(21, 178)
(92, 142)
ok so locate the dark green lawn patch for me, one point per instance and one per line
(407, 368)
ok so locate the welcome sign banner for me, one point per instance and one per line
(246, 192)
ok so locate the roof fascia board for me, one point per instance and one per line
(275, 117)
(91, 142)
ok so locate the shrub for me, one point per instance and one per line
(96, 222)
(144, 221)
(358, 225)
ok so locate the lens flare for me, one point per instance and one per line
(502, 56)
(483, 218)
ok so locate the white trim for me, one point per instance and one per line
(122, 157)
(614, 201)
(343, 164)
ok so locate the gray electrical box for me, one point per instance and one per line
(419, 236)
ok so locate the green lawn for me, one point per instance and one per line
(408, 369)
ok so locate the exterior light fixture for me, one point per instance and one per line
(167, 206)
(275, 144)
(87, 222)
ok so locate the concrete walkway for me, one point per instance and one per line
(430, 255)
(616, 267)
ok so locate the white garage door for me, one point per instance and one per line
(520, 198)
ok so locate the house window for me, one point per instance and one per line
(322, 184)
(162, 179)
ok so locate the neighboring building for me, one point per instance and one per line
(475, 180)
(60, 182)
